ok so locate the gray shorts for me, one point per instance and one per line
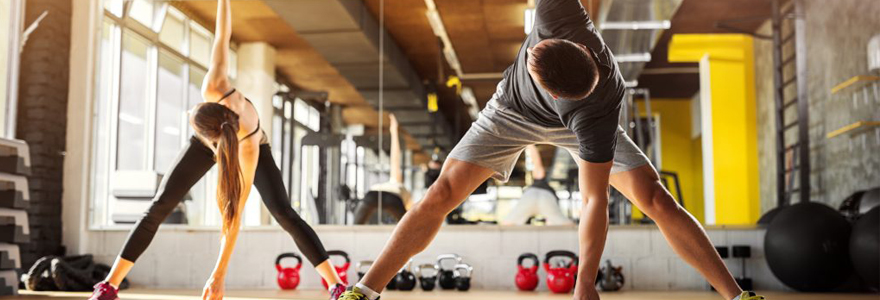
(499, 136)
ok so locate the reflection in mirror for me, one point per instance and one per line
(359, 147)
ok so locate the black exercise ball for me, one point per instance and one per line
(769, 215)
(806, 247)
(864, 247)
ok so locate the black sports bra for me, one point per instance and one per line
(252, 105)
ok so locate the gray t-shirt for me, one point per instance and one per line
(594, 119)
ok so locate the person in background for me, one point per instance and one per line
(394, 196)
(538, 198)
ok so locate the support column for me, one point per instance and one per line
(256, 81)
(727, 94)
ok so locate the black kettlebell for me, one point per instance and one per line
(463, 277)
(610, 278)
(405, 280)
(446, 276)
(427, 276)
(362, 267)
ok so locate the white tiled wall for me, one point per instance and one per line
(180, 258)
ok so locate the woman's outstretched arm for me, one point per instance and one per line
(396, 172)
(217, 80)
(249, 153)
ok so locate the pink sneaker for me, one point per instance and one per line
(104, 291)
(336, 291)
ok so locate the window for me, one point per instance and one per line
(153, 59)
(173, 31)
(169, 105)
(131, 139)
(10, 33)
(114, 7)
(199, 43)
(144, 11)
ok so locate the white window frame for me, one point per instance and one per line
(16, 19)
(101, 212)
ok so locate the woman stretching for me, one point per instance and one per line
(227, 131)
(394, 196)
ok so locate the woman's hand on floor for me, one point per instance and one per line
(213, 289)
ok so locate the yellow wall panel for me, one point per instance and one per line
(727, 64)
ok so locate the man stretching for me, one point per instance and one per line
(538, 198)
(564, 89)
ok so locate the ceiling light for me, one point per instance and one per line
(635, 57)
(529, 20)
(637, 25)
(632, 83)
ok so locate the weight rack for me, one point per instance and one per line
(15, 166)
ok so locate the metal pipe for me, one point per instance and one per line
(803, 103)
(16, 14)
(778, 100)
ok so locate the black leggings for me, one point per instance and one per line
(391, 204)
(191, 165)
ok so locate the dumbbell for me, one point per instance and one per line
(610, 278)
(723, 251)
(405, 280)
(463, 274)
(743, 252)
(427, 282)
(446, 276)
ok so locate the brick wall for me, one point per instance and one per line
(837, 37)
(42, 119)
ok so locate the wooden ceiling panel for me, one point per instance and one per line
(483, 90)
(297, 61)
(504, 24)
(405, 20)
(465, 22)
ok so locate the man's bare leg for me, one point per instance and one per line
(682, 231)
(419, 226)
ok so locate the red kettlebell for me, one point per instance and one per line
(288, 278)
(341, 270)
(527, 278)
(561, 279)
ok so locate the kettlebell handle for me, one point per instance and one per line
(531, 256)
(557, 253)
(422, 267)
(443, 257)
(462, 268)
(342, 254)
(288, 255)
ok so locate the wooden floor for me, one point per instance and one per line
(136, 294)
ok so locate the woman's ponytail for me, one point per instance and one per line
(219, 125)
(229, 181)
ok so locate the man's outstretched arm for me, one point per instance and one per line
(593, 227)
